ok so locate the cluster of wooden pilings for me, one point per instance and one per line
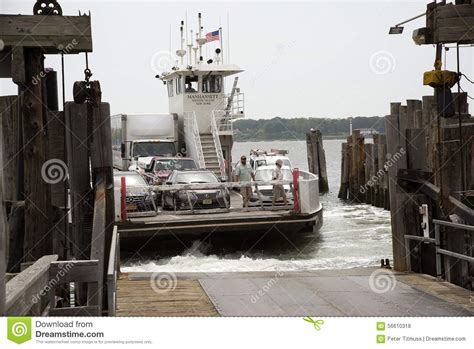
(57, 199)
(317, 158)
(363, 170)
(435, 167)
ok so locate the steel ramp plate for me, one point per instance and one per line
(323, 296)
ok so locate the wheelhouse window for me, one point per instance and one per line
(191, 84)
(170, 88)
(179, 85)
(212, 84)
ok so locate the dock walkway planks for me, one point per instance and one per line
(322, 293)
(185, 298)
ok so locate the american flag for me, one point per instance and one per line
(212, 36)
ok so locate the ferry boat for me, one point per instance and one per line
(205, 115)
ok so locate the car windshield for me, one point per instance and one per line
(132, 180)
(174, 164)
(196, 177)
(142, 149)
(266, 174)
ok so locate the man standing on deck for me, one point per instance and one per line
(278, 190)
(244, 173)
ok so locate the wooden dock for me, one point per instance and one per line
(352, 292)
(138, 298)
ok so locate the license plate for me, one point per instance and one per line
(131, 207)
(207, 202)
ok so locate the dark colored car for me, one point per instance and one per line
(198, 198)
(139, 197)
(157, 171)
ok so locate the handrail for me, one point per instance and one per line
(24, 289)
(223, 121)
(437, 242)
(220, 185)
(112, 272)
(453, 225)
(217, 145)
(193, 139)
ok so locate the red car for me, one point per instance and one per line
(159, 168)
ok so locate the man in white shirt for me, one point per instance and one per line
(244, 173)
(278, 190)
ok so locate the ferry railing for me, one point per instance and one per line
(304, 187)
(193, 139)
(217, 144)
(223, 122)
(308, 192)
(223, 186)
(440, 252)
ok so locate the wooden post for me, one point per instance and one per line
(38, 237)
(317, 158)
(395, 128)
(312, 151)
(343, 190)
(382, 157)
(79, 180)
(368, 185)
(350, 178)
(56, 155)
(10, 176)
(323, 174)
(102, 171)
(3, 236)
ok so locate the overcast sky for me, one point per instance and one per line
(319, 59)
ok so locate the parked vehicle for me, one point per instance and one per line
(136, 136)
(157, 169)
(264, 173)
(198, 198)
(139, 197)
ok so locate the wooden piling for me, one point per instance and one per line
(438, 152)
(317, 158)
(344, 188)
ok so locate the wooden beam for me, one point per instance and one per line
(9, 123)
(94, 292)
(51, 34)
(3, 236)
(38, 237)
(79, 179)
(395, 128)
(74, 271)
(77, 311)
(25, 289)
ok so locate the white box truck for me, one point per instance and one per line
(137, 136)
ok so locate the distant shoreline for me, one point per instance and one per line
(289, 140)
